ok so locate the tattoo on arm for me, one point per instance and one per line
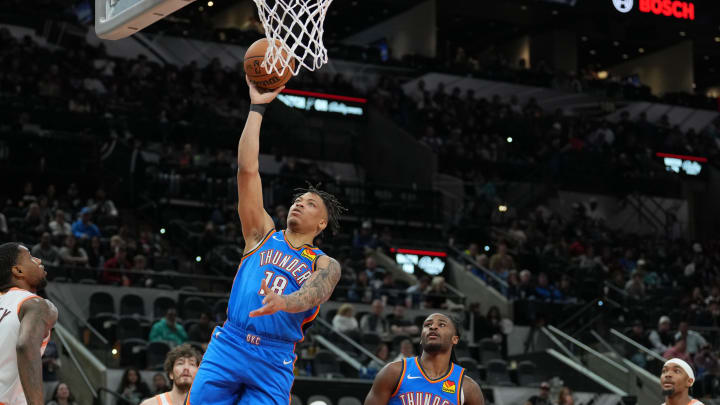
(316, 290)
(34, 325)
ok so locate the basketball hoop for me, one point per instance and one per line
(294, 30)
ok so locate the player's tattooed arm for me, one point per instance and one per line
(316, 290)
(37, 317)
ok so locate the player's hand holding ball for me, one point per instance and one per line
(258, 97)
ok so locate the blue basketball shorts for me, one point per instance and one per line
(241, 368)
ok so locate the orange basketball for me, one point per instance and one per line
(257, 74)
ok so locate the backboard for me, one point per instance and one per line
(117, 19)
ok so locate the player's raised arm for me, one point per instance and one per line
(315, 291)
(37, 317)
(385, 384)
(254, 219)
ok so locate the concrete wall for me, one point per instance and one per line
(667, 70)
(412, 32)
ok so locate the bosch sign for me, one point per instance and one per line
(683, 10)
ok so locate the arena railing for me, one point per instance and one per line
(80, 319)
(496, 281)
(357, 365)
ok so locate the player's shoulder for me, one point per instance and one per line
(150, 401)
(391, 372)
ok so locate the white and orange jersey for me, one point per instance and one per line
(11, 392)
(692, 402)
(163, 399)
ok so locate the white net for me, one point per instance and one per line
(294, 30)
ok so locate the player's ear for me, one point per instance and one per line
(455, 339)
(17, 271)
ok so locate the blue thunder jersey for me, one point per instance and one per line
(285, 269)
(415, 388)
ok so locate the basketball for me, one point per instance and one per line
(257, 74)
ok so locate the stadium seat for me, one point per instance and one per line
(462, 349)
(105, 324)
(331, 314)
(325, 363)
(133, 352)
(156, 352)
(132, 304)
(190, 288)
(220, 309)
(319, 400)
(294, 400)
(370, 340)
(349, 401)
(101, 303)
(489, 350)
(497, 373)
(527, 374)
(161, 305)
(192, 307)
(129, 327)
(470, 366)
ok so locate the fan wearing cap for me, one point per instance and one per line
(676, 379)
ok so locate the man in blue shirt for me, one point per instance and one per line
(83, 227)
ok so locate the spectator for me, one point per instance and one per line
(661, 338)
(72, 254)
(46, 251)
(493, 325)
(95, 254)
(565, 397)
(526, 288)
(415, 294)
(83, 227)
(387, 291)
(365, 238)
(33, 224)
(382, 352)
(50, 366)
(168, 329)
(203, 329)
(160, 384)
(62, 396)
(399, 325)
(374, 321)
(143, 278)
(635, 287)
(679, 350)
(544, 291)
(543, 397)
(374, 272)
(501, 262)
(693, 340)
(102, 207)
(344, 320)
(437, 295)
(119, 261)
(59, 227)
(132, 387)
(360, 291)
(638, 334)
(407, 349)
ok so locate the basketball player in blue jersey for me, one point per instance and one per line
(433, 378)
(280, 283)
